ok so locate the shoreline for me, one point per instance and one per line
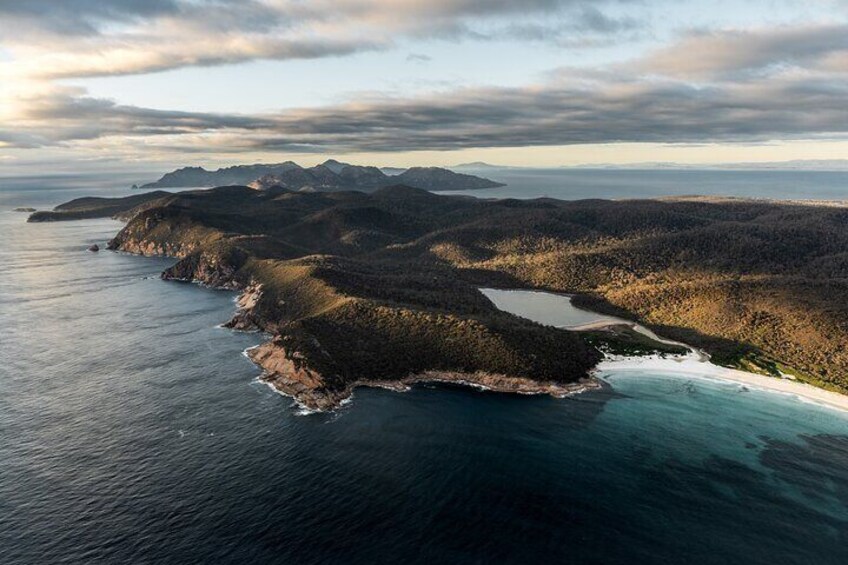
(290, 379)
(305, 387)
(691, 366)
(696, 364)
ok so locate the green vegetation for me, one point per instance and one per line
(93, 207)
(623, 340)
(383, 284)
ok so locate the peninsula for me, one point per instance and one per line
(381, 289)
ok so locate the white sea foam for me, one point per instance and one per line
(692, 366)
(246, 351)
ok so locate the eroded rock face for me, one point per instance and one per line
(209, 269)
(289, 373)
(156, 234)
(153, 249)
(245, 318)
(504, 383)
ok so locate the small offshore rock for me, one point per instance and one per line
(94, 248)
(25, 209)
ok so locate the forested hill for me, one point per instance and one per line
(331, 175)
(755, 283)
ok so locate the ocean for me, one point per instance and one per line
(135, 431)
(575, 184)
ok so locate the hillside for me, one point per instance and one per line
(193, 177)
(96, 207)
(360, 287)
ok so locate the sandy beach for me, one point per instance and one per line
(556, 309)
(692, 365)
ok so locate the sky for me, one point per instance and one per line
(106, 85)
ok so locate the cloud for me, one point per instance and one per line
(708, 86)
(418, 58)
(616, 111)
(79, 16)
(574, 108)
(740, 53)
(202, 52)
(84, 38)
(66, 115)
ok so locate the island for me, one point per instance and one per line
(330, 175)
(382, 288)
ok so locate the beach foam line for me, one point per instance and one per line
(691, 366)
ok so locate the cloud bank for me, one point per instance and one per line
(721, 85)
(87, 38)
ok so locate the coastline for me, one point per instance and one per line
(695, 364)
(289, 381)
(283, 372)
(288, 375)
(317, 402)
(692, 366)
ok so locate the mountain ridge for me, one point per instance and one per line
(329, 176)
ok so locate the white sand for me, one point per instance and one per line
(695, 364)
(692, 365)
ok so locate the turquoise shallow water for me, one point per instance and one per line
(133, 430)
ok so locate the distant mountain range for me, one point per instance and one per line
(329, 176)
(479, 166)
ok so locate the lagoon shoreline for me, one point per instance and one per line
(695, 364)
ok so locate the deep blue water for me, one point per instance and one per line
(132, 430)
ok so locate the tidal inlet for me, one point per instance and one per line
(403, 282)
